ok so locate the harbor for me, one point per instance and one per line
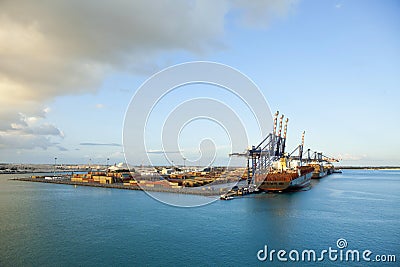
(144, 187)
(270, 168)
(121, 219)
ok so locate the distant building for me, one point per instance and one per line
(167, 171)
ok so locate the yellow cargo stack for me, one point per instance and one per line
(76, 179)
(106, 180)
(189, 183)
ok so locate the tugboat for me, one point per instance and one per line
(225, 197)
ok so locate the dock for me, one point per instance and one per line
(209, 191)
(237, 191)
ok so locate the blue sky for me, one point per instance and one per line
(331, 66)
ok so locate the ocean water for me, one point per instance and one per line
(53, 225)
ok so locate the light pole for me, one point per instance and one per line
(107, 165)
(184, 161)
(55, 163)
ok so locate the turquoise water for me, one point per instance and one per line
(52, 225)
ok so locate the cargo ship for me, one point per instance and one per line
(275, 170)
(322, 164)
(282, 177)
(319, 170)
(270, 168)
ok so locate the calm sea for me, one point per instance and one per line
(52, 225)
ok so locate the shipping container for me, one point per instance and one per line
(176, 186)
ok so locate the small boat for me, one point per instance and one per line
(225, 197)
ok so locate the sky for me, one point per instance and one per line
(69, 69)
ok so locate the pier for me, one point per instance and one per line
(209, 191)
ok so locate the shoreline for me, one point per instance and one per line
(186, 191)
(50, 171)
(367, 168)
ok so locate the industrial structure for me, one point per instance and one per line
(270, 168)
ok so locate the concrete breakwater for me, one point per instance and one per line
(205, 191)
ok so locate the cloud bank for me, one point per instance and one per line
(99, 144)
(29, 133)
(52, 48)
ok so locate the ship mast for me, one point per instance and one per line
(284, 137)
(279, 138)
(275, 122)
(301, 148)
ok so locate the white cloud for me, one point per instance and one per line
(99, 106)
(160, 151)
(29, 133)
(52, 48)
(24, 141)
(259, 13)
(351, 157)
(99, 144)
